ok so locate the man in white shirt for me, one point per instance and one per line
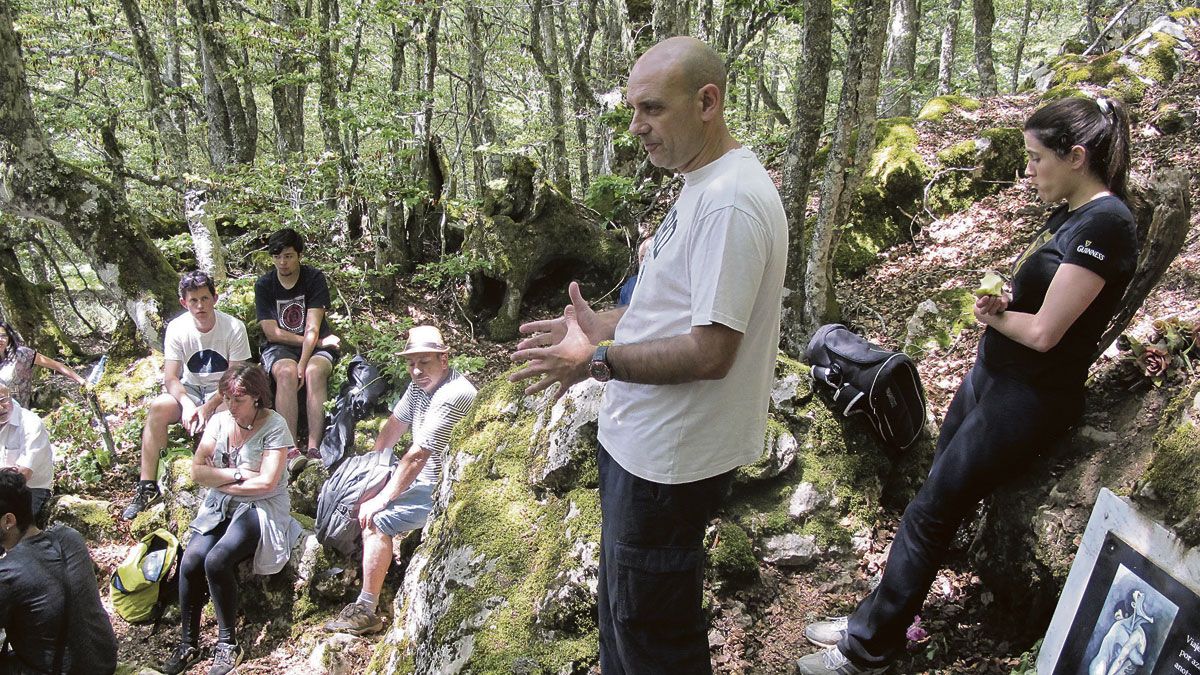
(691, 363)
(25, 448)
(199, 347)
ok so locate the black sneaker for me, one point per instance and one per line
(184, 657)
(147, 493)
(226, 657)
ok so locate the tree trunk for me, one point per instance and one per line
(480, 122)
(1022, 35)
(985, 20)
(640, 14)
(946, 55)
(287, 89)
(234, 107)
(856, 118)
(581, 91)
(547, 62)
(900, 62)
(392, 247)
(25, 306)
(808, 118)
(1091, 15)
(35, 184)
(669, 19)
(210, 254)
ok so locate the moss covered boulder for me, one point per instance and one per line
(505, 578)
(937, 107)
(1169, 489)
(1155, 53)
(975, 168)
(92, 518)
(888, 199)
(530, 232)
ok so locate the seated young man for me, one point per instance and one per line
(200, 345)
(25, 449)
(436, 399)
(299, 349)
(50, 604)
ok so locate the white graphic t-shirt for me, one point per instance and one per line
(206, 356)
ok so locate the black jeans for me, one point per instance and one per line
(652, 571)
(209, 567)
(994, 429)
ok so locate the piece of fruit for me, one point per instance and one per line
(990, 284)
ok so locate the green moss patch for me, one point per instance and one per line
(936, 108)
(1117, 79)
(1175, 470)
(975, 168)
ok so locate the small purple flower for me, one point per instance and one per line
(915, 633)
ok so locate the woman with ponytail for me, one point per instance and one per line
(1026, 387)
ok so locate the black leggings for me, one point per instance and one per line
(209, 566)
(995, 428)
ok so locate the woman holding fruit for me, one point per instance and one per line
(1026, 387)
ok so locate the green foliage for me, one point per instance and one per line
(80, 452)
(466, 364)
(380, 342)
(1190, 15)
(457, 266)
(608, 193)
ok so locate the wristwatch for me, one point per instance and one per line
(237, 476)
(599, 368)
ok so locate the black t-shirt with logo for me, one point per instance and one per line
(289, 306)
(1099, 236)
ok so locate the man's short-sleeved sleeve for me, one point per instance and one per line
(405, 409)
(239, 349)
(729, 255)
(264, 304)
(317, 292)
(439, 421)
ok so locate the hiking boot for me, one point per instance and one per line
(832, 662)
(147, 493)
(184, 657)
(226, 657)
(827, 633)
(355, 619)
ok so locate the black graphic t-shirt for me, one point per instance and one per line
(1099, 236)
(289, 306)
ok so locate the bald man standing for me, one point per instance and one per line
(690, 359)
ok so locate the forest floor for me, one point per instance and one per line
(761, 631)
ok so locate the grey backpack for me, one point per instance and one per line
(355, 480)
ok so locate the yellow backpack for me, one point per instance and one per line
(142, 586)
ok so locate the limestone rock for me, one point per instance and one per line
(92, 518)
(148, 521)
(566, 433)
(805, 500)
(330, 657)
(790, 550)
(305, 488)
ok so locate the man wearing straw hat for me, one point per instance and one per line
(436, 399)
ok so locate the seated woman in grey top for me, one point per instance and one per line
(246, 514)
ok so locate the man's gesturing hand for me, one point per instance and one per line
(566, 358)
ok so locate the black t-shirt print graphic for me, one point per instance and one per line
(291, 313)
(207, 361)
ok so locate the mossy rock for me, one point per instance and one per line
(977, 168)
(1175, 470)
(1168, 118)
(92, 518)
(937, 321)
(1188, 15)
(1107, 71)
(889, 195)
(130, 382)
(306, 487)
(937, 107)
(148, 521)
(731, 561)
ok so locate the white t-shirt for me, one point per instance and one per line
(718, 257)
(25, 443)
(205, 356)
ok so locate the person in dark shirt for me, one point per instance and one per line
(49, 599)
(1026, 387)
(299, 350)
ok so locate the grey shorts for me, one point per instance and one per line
(407, 512)
(200, 394)
(273, 352)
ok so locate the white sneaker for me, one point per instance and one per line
(832, 662)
